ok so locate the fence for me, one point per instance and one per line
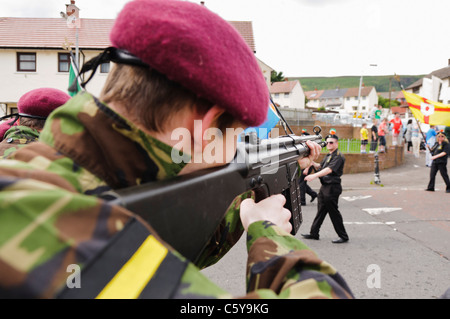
(350, 146)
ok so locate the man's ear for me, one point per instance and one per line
(199, 123)
(210, 117)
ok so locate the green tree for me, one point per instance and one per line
(276, 77)
(385, 102)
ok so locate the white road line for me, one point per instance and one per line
(381, 210)
(369, 223)
(353, 198)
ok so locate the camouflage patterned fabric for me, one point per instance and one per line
(50, 218)
(16, 137)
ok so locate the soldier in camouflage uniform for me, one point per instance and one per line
(34, 108)
(51, 219)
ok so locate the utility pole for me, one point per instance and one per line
(72, 16)
(360, 87)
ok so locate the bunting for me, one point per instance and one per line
(73, 89)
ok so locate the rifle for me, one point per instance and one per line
(186, 210)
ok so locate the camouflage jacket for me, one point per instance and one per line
(51, 222)
(16, 137)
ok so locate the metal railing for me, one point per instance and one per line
(351, 146)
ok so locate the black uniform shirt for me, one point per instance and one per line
(437, 149)
(335, 161)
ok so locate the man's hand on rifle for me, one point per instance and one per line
(270, 209)
(314, 152)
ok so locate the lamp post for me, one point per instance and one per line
(360, 86)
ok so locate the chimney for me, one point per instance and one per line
(202, 3)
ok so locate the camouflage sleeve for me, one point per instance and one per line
(227, 234)
(288, 268)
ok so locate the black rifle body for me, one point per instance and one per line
(186, 210)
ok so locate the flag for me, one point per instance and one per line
(264, 129)
(426, 111)
(74, 88)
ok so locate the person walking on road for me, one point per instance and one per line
(430, 140)
(408, 135)
(415, 140)
(439, 152)
(304, 187)
(329, 171)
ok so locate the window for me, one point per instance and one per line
(26, 62)
(286, 95)
(104, 67)
(277, 95)
(63, 62)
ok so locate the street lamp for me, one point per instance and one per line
(360, 86)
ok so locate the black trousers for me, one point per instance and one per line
(373, 145)
(328, 204)
(442, 168)
(305, 189)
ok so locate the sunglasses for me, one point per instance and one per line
(330, 142)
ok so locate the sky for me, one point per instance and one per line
(304, 38)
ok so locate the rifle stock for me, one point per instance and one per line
(186, 210)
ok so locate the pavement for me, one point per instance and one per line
(399, 233)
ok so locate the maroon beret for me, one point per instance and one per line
(41, 102)
(198, 49)
(6, 125)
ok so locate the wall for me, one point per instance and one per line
(355, 162)
(363, 163)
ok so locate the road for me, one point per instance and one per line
(399, 244)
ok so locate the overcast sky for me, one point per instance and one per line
(314, 37)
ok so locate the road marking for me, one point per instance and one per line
(369, 223)
(353, 198)
(381, 210)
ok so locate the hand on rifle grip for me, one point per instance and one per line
(314, 152)
(269, 209)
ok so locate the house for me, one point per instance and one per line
(288, 94)
(333, 100)
(434, 86)
(313, 98)
(344, 100)
(33, 54)
(360, 103)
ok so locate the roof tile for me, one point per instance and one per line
(93, 34)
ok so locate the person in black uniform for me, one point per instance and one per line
(439, 152)
(329, 172)
(304, 187)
